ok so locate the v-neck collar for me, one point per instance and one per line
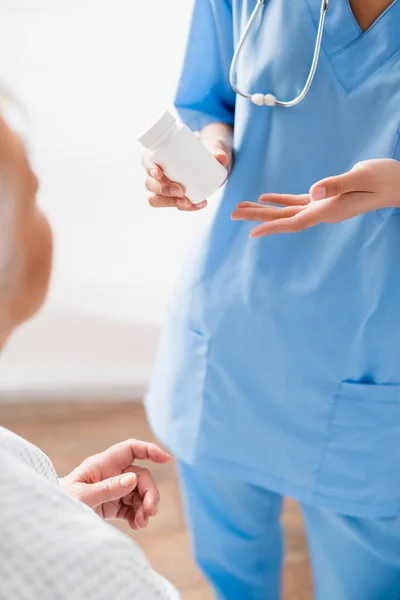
(355, 55)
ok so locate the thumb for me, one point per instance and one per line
(352, 181)
(109, 489)
(222, 157)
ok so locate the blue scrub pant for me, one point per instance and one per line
(238, 543)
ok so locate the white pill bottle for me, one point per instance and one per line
(183, 158)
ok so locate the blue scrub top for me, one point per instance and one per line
(279, 362)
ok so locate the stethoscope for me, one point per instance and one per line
(270, 99)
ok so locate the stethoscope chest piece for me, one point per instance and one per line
(263, 99)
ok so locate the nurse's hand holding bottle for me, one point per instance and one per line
(370, 185)
(165, 193)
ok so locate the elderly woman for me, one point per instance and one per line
(53, 542)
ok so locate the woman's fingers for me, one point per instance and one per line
(165, 193)
(141, 519)
(143, 501)
(359, 179)
(313, 214)
(132, 510)
(136, 516)
(222, 157)
(152, 169)
(221, 149)
(285, 199)
(250, 211)
(162, 201)
(331, 210)
(165, 188)
(280, 220)
(148, 490)
(182, 204)
(157, 173)
(287, 225)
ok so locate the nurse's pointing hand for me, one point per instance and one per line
(116, 488)
(370, 185)
(165, 193)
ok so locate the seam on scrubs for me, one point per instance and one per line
(353, 17)
(330, 57)
(395, 145)
(368, 75)
(206, 341)
(197, 119)
(380, 215)
(327, 440)
(326, 54)
(263, 479)
(365, 33)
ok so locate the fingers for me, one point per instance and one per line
(128, 513)
(279, 220)
(165, 193)
(250, 211)
(152, 169)
(182, 204)
(223, 157)
(132, 511)
(356, 180)
(294, 219)
(163, 202)
(141, 520)
(147, 451)
(307, 217)
(121, 456)
(136, 517)
(125, 453)
(165, 187)
(148, 490)
(331, 200)
(142, 504)
(217, 135)
(285, 199)
(113, 488)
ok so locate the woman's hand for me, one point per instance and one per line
(370, 185)
(165, 193)
(115, 489)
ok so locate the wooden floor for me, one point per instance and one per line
(70, 431)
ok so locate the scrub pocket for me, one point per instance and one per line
(362, 455)
(174, 399)
(389, 212)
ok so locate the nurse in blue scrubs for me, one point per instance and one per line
(278, 371)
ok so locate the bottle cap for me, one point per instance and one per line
(157, 130)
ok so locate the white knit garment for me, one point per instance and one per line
(53, 547)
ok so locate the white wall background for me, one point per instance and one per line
(92, 74)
